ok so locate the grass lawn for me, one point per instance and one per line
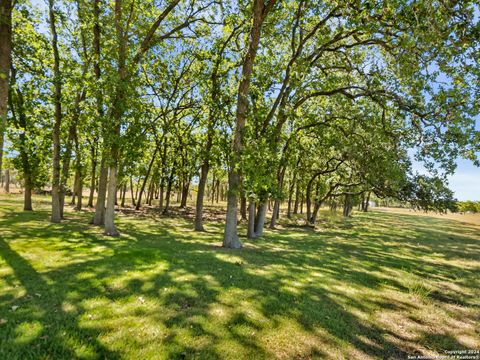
(380, 285)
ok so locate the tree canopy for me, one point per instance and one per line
(266, 102)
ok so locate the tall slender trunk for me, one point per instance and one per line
(56, 206)
(124, 191)
(297, 195)
(144, 183)
(168, 195)
(290, 192)
(185, 189)
(115, 121)
(6, 8)
(99, 217)
(276, 205)
(110, 228)
(251, 221)
(131, 191)
(75, 187)
(93, 153)
(200, 196)
(230, 238)
(78, 172)
(7, 181)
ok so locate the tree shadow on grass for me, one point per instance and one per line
(198, 301)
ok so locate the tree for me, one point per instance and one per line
(6, 8)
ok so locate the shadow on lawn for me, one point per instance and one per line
(189, 290)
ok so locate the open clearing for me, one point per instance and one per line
(378, 285)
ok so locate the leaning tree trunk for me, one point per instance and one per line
(56, 209)
(144, 183)
(131, 191)
(230, 238)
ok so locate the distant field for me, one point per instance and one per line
(382, 285)
(472, 219)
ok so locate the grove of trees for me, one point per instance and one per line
(263, 102)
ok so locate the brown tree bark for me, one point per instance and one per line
(93, 174)
(251, 221)
(99, 216)
(57, 99)
(260, 11)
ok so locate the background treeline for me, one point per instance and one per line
(266, 104)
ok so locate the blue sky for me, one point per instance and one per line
(466, 180)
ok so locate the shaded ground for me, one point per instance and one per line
(377, 286)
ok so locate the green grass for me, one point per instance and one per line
(378, 285)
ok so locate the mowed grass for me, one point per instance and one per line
(376, 286)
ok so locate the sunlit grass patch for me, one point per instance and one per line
(377, 285)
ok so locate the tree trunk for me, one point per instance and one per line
(27, 197)
(93, 175)
(6, 7)
(102, 182)
(56, 206)
(99, 217)
(110, 228)
(297, 195)
(243, 207)
(251, 220)
(289, 205)
(149, 169)
(185, 189)
(260, 11)
(367, 201)
(347, 206)
(169, 191)
(308, 194)
(124, 191)
(79, 188)
(200, 196)
(131, 191)
(260, 219)
(7, 181)
(313, 218)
